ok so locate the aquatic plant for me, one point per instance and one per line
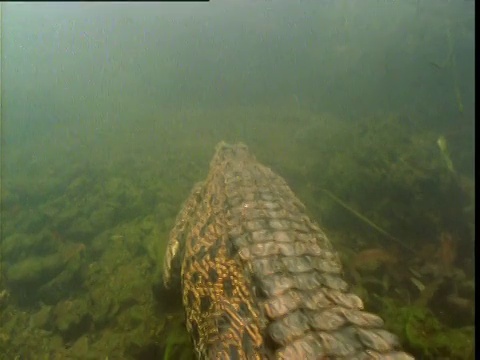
(371, 259)
(385, 175)
(424, 335)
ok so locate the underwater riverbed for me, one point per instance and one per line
(83, 242)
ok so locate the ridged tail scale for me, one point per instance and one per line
(260, 280)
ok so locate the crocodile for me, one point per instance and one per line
(259, 278)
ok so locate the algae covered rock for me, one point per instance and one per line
(425, 333)
(47, 278)
(425, 336)
(14, 245)
(102, 217)
(101, 306)
(35, 269)
(81, 229)
(41, 319)
(71, 317)
(80, 347)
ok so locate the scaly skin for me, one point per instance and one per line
(259, 279)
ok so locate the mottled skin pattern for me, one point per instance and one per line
(259, 279)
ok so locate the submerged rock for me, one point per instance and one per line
(71, 318)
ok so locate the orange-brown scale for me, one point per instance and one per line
(221, 313)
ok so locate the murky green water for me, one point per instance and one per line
(110, 114)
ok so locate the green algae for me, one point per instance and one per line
(177, 344)
(424, 335)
